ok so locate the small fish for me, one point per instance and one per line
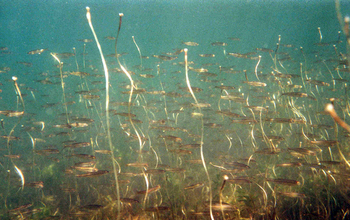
(45, 82)
(219, 44)
(238, 55)
(213, 125)
(201, 105)
(93, 174)
(287, 182)
(256, 108)
(38, 51)
(245, 121)
(165, 58)
(172, 138)
(228, 113)
(194, 89)
(13, 156)
(26, 64)
(86, 169)
(328, 162)
(181, 151)
(84, 156)
(196, 115)
(129, 200)
(82, 120)
(205, 75)
(124, 114)
(237, 164)
(289, 164)
(20, 208)
(287, 45)
(10, 113)
(173, 94)
(189, 43)
(78, 145)
(69, 103)
(303, 151)
(85, 40)
(225, 87)
(137, 164)
(239, 180)
(264, 50)
(84, 164)
(292, 194)
(194, 161)
(147, 75)
(175, 170)
(279, 120)
(110, 38)
(78, 73)
(64, 55)
(234, 98)
(199, 70)
(96, 82)
(268, 151)
(83, 92)
(79, 124)
(103, 151)
(150, 190)
(46, 151)
(156, 92)
(194, 186)
(324, 142)
(68, 190)
(206, 55)
(136, 91)
(257, 84)
(221, 206)
(62, 126)
(91, 97)
(298, 94)
(38, 184)
(12, 138)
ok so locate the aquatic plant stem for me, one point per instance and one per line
(62, 83)
(18, 92)
(132, 85)
(202, 137)
(19, 172)
(330, 109)
(88, 16)
(138, 49)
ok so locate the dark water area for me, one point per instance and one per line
(237, 130)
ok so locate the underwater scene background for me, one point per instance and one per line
(232, 127)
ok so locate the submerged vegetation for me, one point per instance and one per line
(258, 134)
